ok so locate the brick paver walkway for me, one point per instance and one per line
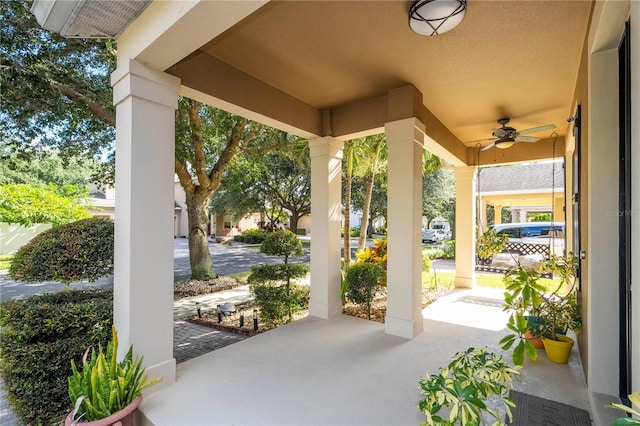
(192, 340)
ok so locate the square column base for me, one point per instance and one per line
(403, 328)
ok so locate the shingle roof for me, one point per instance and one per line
(521, 177)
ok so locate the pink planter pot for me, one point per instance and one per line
(121, 418)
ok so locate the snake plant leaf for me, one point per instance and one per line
(625, 421)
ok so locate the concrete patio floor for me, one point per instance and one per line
(347, 371)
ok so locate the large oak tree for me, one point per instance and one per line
(56, 95)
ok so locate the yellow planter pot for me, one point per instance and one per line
(558, 350)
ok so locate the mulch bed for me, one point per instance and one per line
(232, 322)
(195, 287)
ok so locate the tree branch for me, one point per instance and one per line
(227, 154)
(78, 98)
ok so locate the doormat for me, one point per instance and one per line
(533, 411)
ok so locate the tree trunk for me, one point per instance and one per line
(293, 222)
(199, 255)
(365, 211)
(347, 222)
(348, 153)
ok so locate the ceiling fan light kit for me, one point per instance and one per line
(507, 136)
(433, 17)
(505, 143)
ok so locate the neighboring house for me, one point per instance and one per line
(333, 71)
(102, 201)
(523, 188)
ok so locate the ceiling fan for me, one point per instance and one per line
(507, 136)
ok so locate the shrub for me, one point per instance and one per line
(275, 294)
(252, 236)
(426, 262)
(278, 303)
(81, 250)
(364, 282)
(39, 336)
(449, 250)
(282, 243)
(377, 255)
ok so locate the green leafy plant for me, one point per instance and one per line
(376, 255)
(464, 386)
(278, 304)
(449, 250)
(81, 250)
(364, 280)
(344, 287)
(30, 204)
(275, 293)
(625, 421)
(105, 386)
(490, 243)
(522, 298)
(252, 236)
(39, 335)
(559, 309)
(536, 310)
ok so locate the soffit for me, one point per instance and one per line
(517, 59)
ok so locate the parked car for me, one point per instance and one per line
(547, 233)
(433, 235)
(444, 227)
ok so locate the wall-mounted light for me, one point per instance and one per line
(433, 17)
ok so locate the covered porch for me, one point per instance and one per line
(348, 371)
(332, 71)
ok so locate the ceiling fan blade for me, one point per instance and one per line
(489, 146)
(499, 133)
(529, 139)
(537, 129)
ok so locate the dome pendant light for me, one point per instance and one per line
(433, 17)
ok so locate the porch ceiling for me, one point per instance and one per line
(516, 59)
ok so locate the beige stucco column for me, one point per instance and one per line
(145, 101)
(404, 198)
(483, 226)
(465, 227)
(558, 209)
(326, 209)
(497, 214)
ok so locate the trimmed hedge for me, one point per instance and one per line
(252, 236)
(365, 280)
(40, 336)
(81, 250)
(278, 303)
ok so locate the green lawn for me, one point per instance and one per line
(5, 261)
(482, 280)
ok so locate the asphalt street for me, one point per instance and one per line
(227, 259)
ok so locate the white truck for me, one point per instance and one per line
(444, 227)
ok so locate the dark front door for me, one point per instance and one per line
(624, 214)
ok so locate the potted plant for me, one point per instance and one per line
(523, 299)
(106, 392)
(559, 309)
(536, 312)
(622, 421)
(464, 385)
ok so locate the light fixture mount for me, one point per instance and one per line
(434, 17)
